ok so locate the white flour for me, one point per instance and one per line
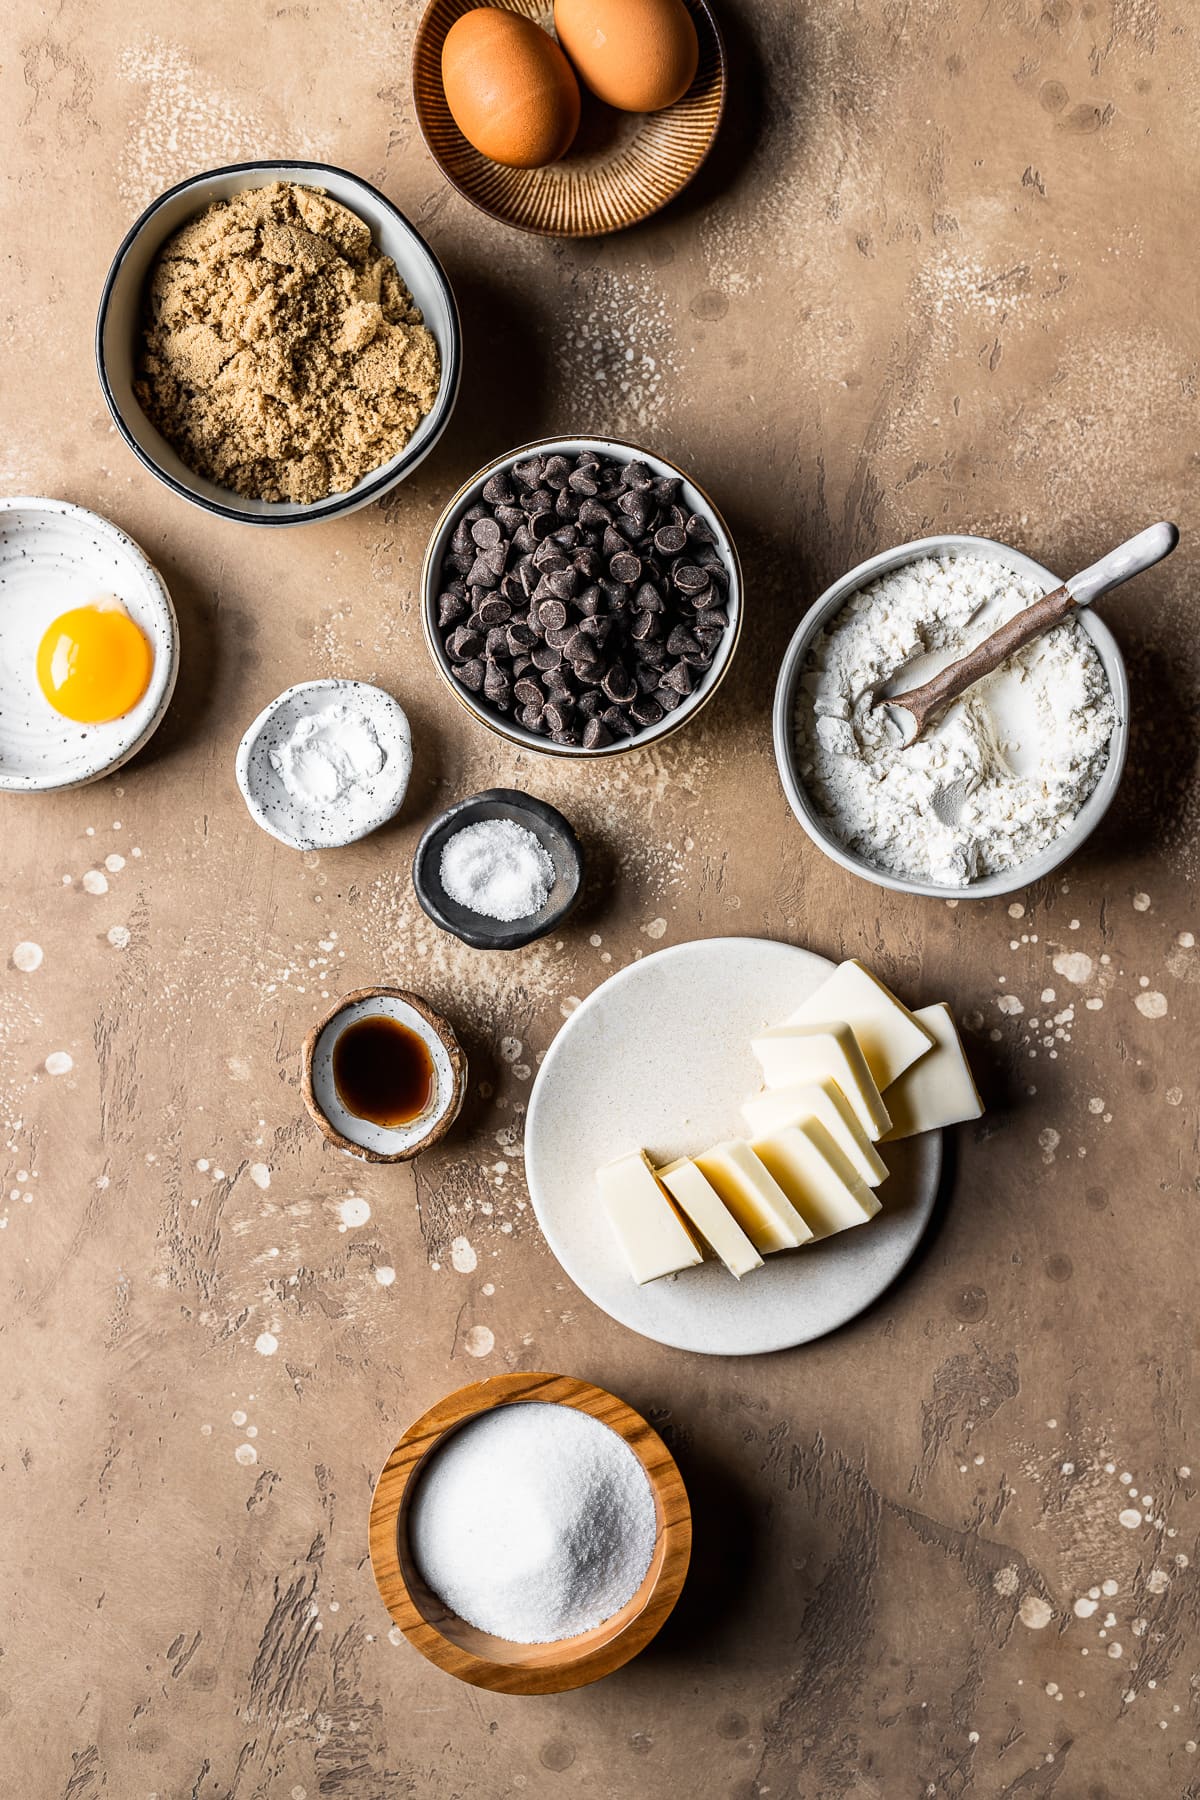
(999, 775)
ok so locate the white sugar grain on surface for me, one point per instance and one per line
(534, 1522)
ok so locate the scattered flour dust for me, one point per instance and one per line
(1151, 1004)
(1035, 1612)
(352, 1212)
(479, 1341)
(260, 1175)
(385, 1275)
(463, 1257)
(183, 120)
(59, 1062)
(27, 957)
(266, 1343)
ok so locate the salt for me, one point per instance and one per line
(498, 869)
(533, 1522)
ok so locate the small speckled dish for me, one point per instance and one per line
(53, 557)
(359, 1137)
(314, 825)
(552, 831)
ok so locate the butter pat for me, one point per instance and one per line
(708, 1215)
(817, 1178)
(825, 1102)
(938, 1090)
(654, 1240)
(793, 1054)
(755, 1199)
(892, 1038)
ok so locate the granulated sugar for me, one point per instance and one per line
(533, 1522)
(999, 775)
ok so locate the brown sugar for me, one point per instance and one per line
(281, 354)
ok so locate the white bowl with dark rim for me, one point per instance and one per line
(988, 887)
(691, 495)
(118, 326)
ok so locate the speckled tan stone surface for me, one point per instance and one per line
(940, 274)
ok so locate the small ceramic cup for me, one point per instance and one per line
(361, 1137)
(117, 329)
(552, 832)
(795, 660)
(317, 824)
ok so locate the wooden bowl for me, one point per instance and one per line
(622, 166)
(492, 1662)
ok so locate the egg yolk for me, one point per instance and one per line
(94, 663)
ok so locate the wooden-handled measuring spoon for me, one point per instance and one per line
(1141, 552)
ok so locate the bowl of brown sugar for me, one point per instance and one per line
(277, 343)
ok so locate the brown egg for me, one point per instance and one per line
(509, 88)
(640, 55)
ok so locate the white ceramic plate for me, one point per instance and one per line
(54, 556)
(659, 1059)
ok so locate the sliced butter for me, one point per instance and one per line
(938, 1090)
(792, 1054)
(654, 1240)
(709, 1216)
(892, 1038)
(757, 1202)
(817, 1178)
(824, 1101)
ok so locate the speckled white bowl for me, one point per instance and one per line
(120, 307)
(311, 826)
(988, 887)
(55, 556)
(359, 1137)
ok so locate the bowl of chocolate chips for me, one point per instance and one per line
(582, 596)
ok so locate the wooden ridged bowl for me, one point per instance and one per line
(476, 1656)
(622, 166)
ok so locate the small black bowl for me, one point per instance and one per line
(554, 834)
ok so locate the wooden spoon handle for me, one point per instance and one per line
(935, 695)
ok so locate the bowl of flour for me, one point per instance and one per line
(1007, 783)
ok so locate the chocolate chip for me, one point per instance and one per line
(450, 610)
(547, 657)
(541, 524)
(524, 637)
(688, 578)
(528, 473)
(625, 567)
(551, 615)
(596, 734)
(646, 710)
(494, 611)
(700, 529)
(619, 684)
(680, 678)
(682, 643)
(582, 482)
(558, 715)
(464, 643)
(471, 674)
(668, 698)
(486, 533)
(529, 692)
(670, 539)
